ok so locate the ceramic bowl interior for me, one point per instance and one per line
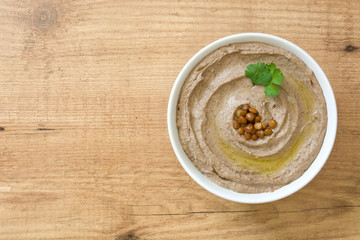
(288, 189)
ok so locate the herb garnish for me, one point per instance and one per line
(267, 75)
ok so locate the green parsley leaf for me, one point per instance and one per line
(266, 75)
(271, 67)
(259, 74)
(271, 90)
(277, 77)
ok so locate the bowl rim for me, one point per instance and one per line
(308, 175)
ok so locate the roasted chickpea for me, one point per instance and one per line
(254, 137)
(253, 110)
(272, 123)
(242, 120)
(236, 124)
(246, 107)
(249, 127)
(250, 117)
(260, 134)
(241, 130)
(257, 126)
(267, 131)
(237, 113)
(247, 136)
(243, 112)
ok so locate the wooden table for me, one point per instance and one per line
(85, 152)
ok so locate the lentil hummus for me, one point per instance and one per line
(217, 86)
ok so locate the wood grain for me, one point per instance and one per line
(84, 148)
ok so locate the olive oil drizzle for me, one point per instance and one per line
(272, 164)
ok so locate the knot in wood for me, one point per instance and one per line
(45, 17)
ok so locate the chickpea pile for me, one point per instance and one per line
(247, 122)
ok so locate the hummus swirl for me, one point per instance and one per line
(217, 86)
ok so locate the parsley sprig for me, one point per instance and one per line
(267, 75)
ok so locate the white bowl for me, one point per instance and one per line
(288, 189)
